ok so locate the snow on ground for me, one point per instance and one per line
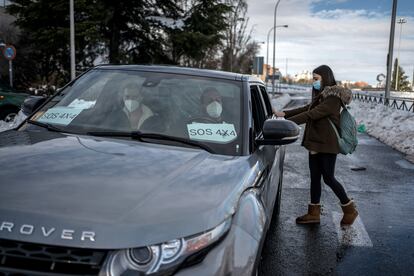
(17, 120)
(391, 126)
(279, 102)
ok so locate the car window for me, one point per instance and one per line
(266, 101)
(259, 115)
(206, 110)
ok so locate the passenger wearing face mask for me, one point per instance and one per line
(211, 105)
(135, 110)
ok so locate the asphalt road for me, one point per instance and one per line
(381, 241)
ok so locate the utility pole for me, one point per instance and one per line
(390, 51)
(400, 21)
(274, 48)
(267, 48)
(72, 41)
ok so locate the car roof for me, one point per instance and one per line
(184, 71)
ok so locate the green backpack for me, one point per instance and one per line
(347, 138)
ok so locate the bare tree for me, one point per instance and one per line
(238, 50)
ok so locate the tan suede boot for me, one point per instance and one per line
(313, 215)
(350, 213)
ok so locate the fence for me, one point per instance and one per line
(278, 88)
(406, 104)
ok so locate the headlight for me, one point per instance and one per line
(162, 257)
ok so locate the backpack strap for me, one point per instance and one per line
(334, 128)
(333, 125)
(343, 105)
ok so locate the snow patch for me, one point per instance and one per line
(391, 126)
(9, 125)
(280, 102)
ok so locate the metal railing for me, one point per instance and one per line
(278, 88)
(406, 104)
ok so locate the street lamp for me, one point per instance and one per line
(267, 50)
(274, 46)
(400, 21)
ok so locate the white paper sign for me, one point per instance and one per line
(221, 133)
(80, 103)
(60, 115)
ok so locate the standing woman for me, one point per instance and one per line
(321, 141)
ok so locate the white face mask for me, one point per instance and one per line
(214, 109)
(131, 105)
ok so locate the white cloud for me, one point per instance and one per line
(353, 42)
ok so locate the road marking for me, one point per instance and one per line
(354, 235)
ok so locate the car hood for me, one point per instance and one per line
(128, 193)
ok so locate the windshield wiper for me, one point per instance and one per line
(142, 135)
(46, 125)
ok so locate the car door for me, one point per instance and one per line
(268, 156)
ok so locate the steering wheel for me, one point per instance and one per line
(201, 119)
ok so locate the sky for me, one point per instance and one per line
(351, 36)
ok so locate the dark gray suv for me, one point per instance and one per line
(142, 170)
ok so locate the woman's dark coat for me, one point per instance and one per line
(319, 135)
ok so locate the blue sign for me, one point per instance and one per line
(9, 52)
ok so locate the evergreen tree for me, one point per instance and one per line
(117, 32)
(403, 83)
(128, 33)
(113, 31)
(44, 42)
(197, 43)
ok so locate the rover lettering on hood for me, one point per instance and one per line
(29, 229)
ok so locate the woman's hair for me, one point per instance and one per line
(327, 75)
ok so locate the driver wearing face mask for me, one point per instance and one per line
(134, 109)
(211, 104)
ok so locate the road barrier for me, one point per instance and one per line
(406, 104)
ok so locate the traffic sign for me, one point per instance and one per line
(258, 65)
(9, 52)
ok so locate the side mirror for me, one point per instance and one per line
(31, 103)
(279, 132)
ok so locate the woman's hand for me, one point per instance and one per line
(279, 114)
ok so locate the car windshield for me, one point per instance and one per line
(105, 101)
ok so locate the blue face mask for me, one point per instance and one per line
(317, 85)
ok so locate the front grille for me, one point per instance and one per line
(24, 259)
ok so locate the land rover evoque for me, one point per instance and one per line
(142, 170)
